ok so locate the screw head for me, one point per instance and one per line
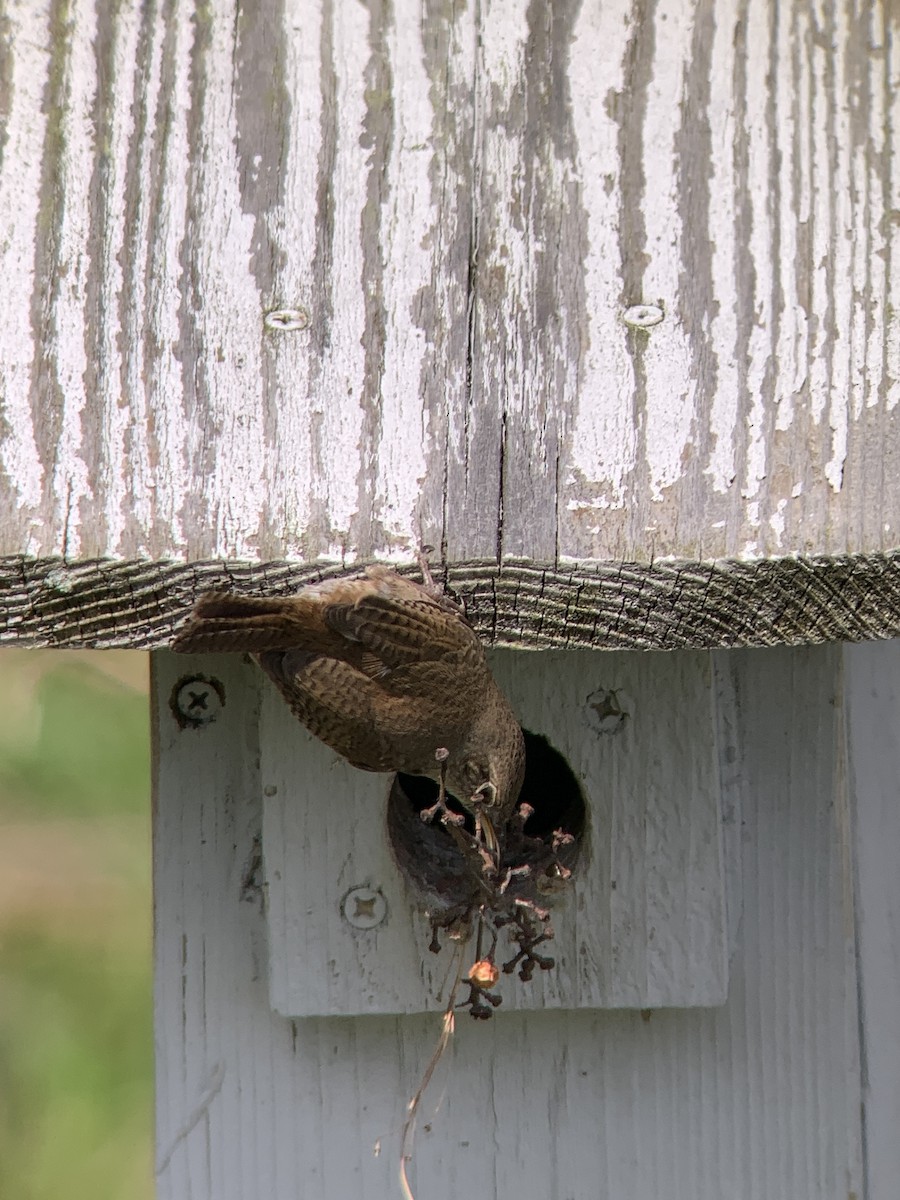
(286, 320)
(608, 710)
(364, 907)
(197, 700)
(643, 316)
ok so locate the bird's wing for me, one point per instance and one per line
(343, 707)
(399, 623)
(378, 623)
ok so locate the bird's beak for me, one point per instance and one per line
(485, 793)
(490, 836)
(485, 796)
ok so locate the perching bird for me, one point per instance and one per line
(386, 672)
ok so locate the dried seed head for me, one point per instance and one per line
(484, 973)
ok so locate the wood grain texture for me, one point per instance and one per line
(459, 204)
(643, 926)
(758, 1098)
(664, 605)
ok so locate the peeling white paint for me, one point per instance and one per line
(343, 372)
(165, 292)
(670, 385)
(461, 72)
(876, 287)
(500, 67)
(25, 130)
(864, 289)
(296, 406)
(751, 516)
(599, 502)
(603, 437)
(117, 492)
(228, 332)
(843, 241)
(72, 482)
(891, 318)
(410, 216)
(141, 493)
(759, 19)
(504, 31)
(724, 326)
(821, 217)
(208, 434)
(791, 144)
(777, 522)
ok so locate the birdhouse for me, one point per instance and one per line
(595, 301)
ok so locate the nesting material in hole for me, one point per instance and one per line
(539, 848)
(428, 855)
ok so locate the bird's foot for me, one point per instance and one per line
(448, 816)
(442, 809)
(425, 567)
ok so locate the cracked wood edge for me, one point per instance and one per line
(108, 603)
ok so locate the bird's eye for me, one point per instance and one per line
(475, 773)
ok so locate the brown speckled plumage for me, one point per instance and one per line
(385, 671)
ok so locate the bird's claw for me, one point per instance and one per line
(447, 815)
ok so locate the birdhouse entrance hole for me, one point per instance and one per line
(429, 857)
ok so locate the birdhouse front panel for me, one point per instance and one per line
(641, 923)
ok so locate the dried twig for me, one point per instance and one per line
(448, 1024)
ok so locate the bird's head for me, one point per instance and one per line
(489, 770)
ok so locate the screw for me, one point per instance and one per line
(643, 316)
(364, 907)
(197, 700)
(606, 711)
(286, 320)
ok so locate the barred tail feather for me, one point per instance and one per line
(214, 635)
(225, 621)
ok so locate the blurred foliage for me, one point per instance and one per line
(76, 1046)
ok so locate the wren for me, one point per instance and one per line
(385, 671)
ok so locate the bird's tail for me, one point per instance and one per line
(225, 621)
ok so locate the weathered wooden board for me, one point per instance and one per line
(873, 703)
(317, 280)
(617, 606)
(758, 1098)
(644, 926)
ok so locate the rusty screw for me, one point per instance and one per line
(197, 701)
(364, 907)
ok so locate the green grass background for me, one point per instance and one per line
(76, 1045)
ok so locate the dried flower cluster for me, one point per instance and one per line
(510, 872)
